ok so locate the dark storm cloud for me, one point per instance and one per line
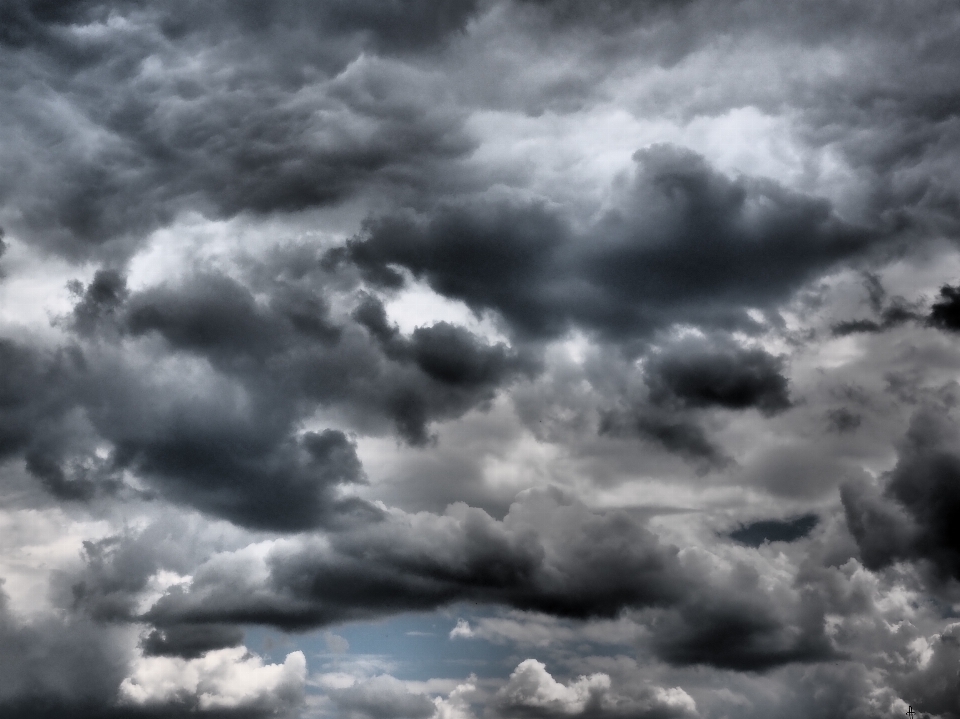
(608, 12)
(28, 397)
(889, 109)
(40, 391)
(116, 117)
(914, 518)
(264, 482)
(237, 452)
(291, 351)
(698, 373)
(550, 554)
(686, 244)
(266, 120)
(677, 435)
(775, 530)
(57, 667)
(190, 641)
(737, 627)
(245, 461)
(399, 24)
(210, 314)
(263, 122)
(891, 317)
(945, 314)
(98, 300)
(446, 353)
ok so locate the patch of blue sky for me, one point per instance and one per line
(415, 646)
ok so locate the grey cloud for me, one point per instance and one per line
(403, 25)
(737, 627)
(722, 374)
(98, 300)
(190, 641)
(57, 666)
(893, 313)
(439, 371)
(932, 688)
(117, 568)
(40, 390)
(210, 314)
(913, 518)
(843, 420)
(27, 402)
(549, 553)
(684, 246)
(677, 435)
(229, 467)
(288, 130)
(237, 452)
(457, 362)
(118, 117)
(882, 529)
(382, 697)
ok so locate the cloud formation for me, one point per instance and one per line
(565, 359)
(685, 244)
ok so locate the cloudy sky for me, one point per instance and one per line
(479, 359)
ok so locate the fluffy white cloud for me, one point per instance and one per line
(221, 679)
(532, 687)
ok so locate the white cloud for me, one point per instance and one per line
(462, 630)
(531, 685)
(222, 679)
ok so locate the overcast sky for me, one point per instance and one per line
(479, 359)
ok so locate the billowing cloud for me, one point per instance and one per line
(479, 359)
(532, 691)
(684, 244)
(912, 518)
(698, 374)
(224, 680)
(589, 564)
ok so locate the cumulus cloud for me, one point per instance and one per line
(532, 691)
(225, 679)
(685, 244)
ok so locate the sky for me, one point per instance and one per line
(479, 359)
